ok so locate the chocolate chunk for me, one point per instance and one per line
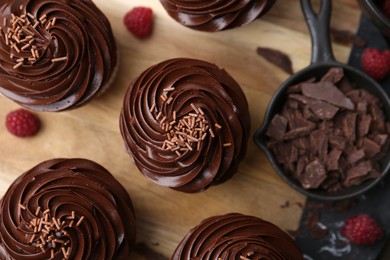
(332, 160)
(370, 148)
(354, 95)
(300, 98)
(300, 127)
(286, 153)
(299, 131)
(301, 165)
(329, 183)
(362, 106)
(323, 110)
(337, 141)
(356, 174)
(345, 85)
(378, 117)
(328, 92)
(364, 125)
(319, 144)
(313, 175)
(277, 58)
(277, 127)
(346, 121)
(355, 156)
(334, 75)
(301, 143)
(371, 99)
(297, 89)
(292, 103)
(308, 114)
(381, 139)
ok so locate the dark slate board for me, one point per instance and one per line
(376, 202)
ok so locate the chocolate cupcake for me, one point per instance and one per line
(236, 236)
(211, 16)
(185, 123)
(66, 209)
(54, 55)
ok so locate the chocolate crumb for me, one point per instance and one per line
(277, 58)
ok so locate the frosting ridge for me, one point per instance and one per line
(216, 15)
(61, 57)
(236, 236)
(185, 122)
(85, 213)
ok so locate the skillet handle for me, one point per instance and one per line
(319, 30)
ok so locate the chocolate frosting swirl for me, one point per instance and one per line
(62, 186)
(78, 31)
(216, 15)
(234, 236)
(186, 84)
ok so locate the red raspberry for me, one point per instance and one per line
(22, 123)
(362, 230)
(139, 21)
(376, 63)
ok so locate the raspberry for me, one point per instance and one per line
(22, 123)
(376, 63)
(139, 21)
(362, 230)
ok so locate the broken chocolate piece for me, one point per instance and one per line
(334, 75)
(301, 98)
(381, 139)
(364, 125)
(338, 141)
(313, 175)
(328, 92)
(356, 156)
(323, 110)
(332, 162)
(370, 148)
(361, 106)
(319, 144)
(349, 126)
(277, 58)
(277, 127)
(356, 174)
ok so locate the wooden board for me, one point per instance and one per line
(164, 216)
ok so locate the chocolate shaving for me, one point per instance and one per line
(346, 37)
(326, 91)
(277, 58)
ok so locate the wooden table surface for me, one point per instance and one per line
(164, 216)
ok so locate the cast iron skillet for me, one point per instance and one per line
(321, 61)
